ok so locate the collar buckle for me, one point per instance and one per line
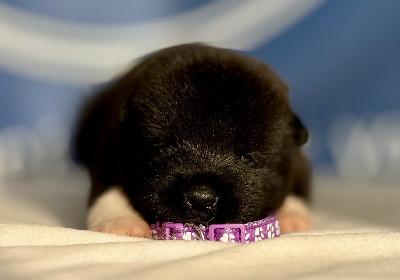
(170, 229)
(227, 232)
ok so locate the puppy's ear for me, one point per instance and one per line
(123, 113)
(126, 114)
(300, 132)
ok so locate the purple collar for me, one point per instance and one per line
(242, 233)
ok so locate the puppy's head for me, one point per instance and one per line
(205, 136)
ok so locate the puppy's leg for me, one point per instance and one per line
(294, 215)
(112, 213)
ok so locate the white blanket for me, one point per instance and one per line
(357, 236)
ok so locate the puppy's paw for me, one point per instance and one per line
(126, 227)
(113, 213)
(292, 222)
(294, 215)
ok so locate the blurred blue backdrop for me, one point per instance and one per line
(341, 59)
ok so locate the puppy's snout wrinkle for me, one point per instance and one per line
(201, 198)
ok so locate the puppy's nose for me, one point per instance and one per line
(201, 198)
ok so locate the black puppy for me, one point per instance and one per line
(193, 134)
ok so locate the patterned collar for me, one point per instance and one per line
(243, 233)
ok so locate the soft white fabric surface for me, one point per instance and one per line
(356, 237)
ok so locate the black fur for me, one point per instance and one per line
(196, 134)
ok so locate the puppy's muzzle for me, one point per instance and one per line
(201, 198)
(204, 196)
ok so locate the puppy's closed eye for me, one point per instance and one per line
(247, 158)
(254, 159)
(160, 142)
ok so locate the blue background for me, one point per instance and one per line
(341, 59)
